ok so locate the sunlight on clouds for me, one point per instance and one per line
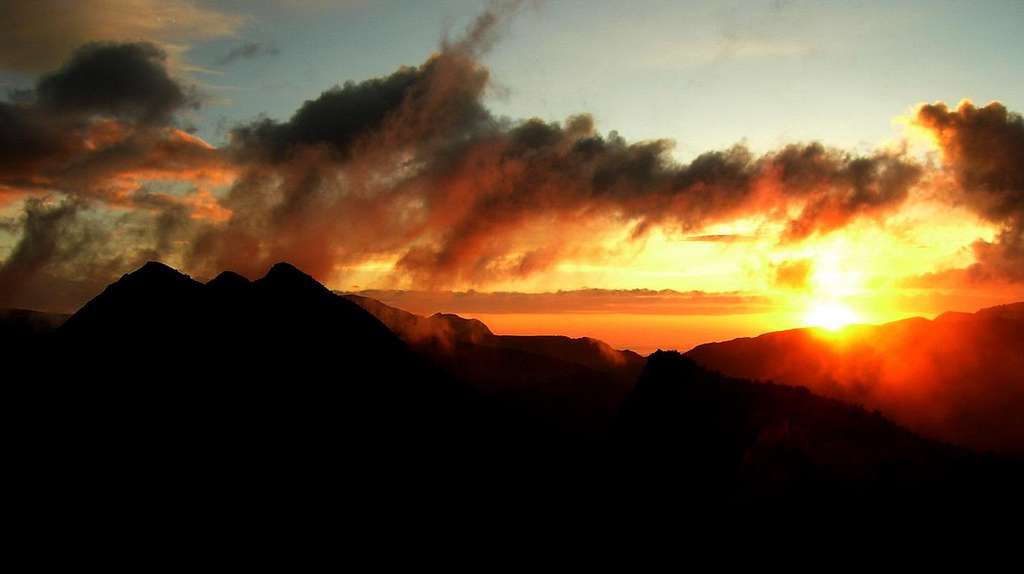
(852, 275)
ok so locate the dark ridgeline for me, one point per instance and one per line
(235, 389)
(959, 378)
(277, 396)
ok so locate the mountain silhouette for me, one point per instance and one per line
(276, 396)
(445, 328)
(275, 385)
(959, 378)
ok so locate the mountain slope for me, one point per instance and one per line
(572, 385)
(695, 435)
(959, 378)
(442, 329)
(277, 377)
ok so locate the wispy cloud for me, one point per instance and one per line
(248, 51)
(40, 34)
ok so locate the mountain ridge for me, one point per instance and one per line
(279, 389)
(958, 378)
(575, 385)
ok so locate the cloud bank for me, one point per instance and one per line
(413, 167)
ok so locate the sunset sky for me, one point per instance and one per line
(654, 174)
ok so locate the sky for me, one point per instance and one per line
(790, 162)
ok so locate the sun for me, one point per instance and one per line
(831, 315)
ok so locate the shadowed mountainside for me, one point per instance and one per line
(270, 384)
(279, 391)
(689, 430)
(284, 333)
(573, 385)
(959, 378)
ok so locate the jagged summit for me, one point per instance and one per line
(284, 318)
(156, 271)
(228, 280)
(286, 275)
(156, 267)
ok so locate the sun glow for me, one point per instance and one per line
(831, 315)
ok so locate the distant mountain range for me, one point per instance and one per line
(238, 390)
(19, 327)
(575, 385)
(959, 378)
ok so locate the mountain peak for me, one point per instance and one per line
(228, 280)
(286, 274)
(284, 269)
(155, 273)
(156, 268)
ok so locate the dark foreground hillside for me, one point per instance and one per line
(277, 397)
(168, 390)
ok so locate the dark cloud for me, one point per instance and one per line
(79, 152)
(841, 186)
(485, 29)
(1002, 259)
(99, 123)
(413, 165)
(45, 231)
(411, 107)
(29, 139)
(69, 250)
(124, 81)
(248, 51)
(983, 150)
(565, 177)
(53, 265)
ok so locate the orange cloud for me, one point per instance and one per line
(413, 168)
(793, 274)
